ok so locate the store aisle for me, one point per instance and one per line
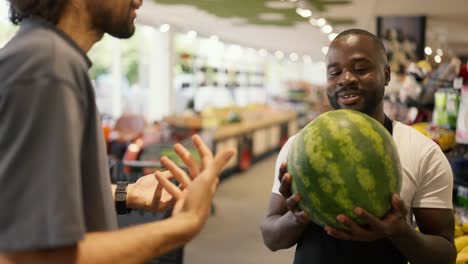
(232, 235)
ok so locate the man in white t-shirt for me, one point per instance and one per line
(357, 73)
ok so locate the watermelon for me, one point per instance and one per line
(341, 160)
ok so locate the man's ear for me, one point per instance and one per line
(387, 75)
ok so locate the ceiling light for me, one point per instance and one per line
(428, 51)
(325, 50)
(293, 56)
(165, 28)
(440, 52)
(437, 59)
(327, 29)
(313, 21)
(306, 13)
(332, 36)
(321, 22)
(279, 54)
(303, 12)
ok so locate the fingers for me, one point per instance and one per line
(285, 187)
(177, 172)
(221, 160)
(157, 194)
(354, 228)
(188, 160)
(342, 235)
(166, 205)
(292, 201)
(370, 219)
(169, 186)
(282, 171)
(205, 153)
(166, 174)
(399, 205)
(302, 217)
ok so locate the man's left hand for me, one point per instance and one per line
(391, 225)
(148, 194)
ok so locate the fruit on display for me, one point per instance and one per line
(341, 160)
(461, 239)
(444, 137)
(458, 231)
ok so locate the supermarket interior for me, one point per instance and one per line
(250, 74)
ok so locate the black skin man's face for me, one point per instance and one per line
(357, 74)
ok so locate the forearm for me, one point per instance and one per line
(425, 249)
(281, 232)
(136, 244)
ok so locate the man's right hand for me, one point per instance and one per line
(292, 200)
(195, 199)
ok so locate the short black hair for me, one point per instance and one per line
(50, 10)
(376, 40)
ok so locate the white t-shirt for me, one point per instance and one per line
(427, 176)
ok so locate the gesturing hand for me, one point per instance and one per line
(197, 192)
(391, 225)
(147, 193)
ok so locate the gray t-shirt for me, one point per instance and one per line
(54, 178)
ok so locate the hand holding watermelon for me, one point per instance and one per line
(292, 200)
(392, 225)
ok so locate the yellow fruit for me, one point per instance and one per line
(458, 231)
(464, 250)
(462, 258)
(465, 227)
(461, 242)
(455, 217)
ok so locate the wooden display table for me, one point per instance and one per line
(258, 134)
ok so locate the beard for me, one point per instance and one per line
(103, 19)
(368, 107)
(123, 31)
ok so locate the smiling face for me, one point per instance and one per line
(357, 74)
(115, 17)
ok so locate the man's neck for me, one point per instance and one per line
(76, 23)
(379, 115)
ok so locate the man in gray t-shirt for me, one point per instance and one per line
(52, 144)
(55, 190)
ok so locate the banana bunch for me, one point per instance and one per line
(461, 241)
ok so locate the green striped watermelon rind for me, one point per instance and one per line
(334, 150)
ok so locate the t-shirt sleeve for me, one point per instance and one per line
(282, 157)
(436, 181)
(41, 123)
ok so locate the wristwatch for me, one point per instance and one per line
(121, 198)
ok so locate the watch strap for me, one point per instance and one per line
(121, 198)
